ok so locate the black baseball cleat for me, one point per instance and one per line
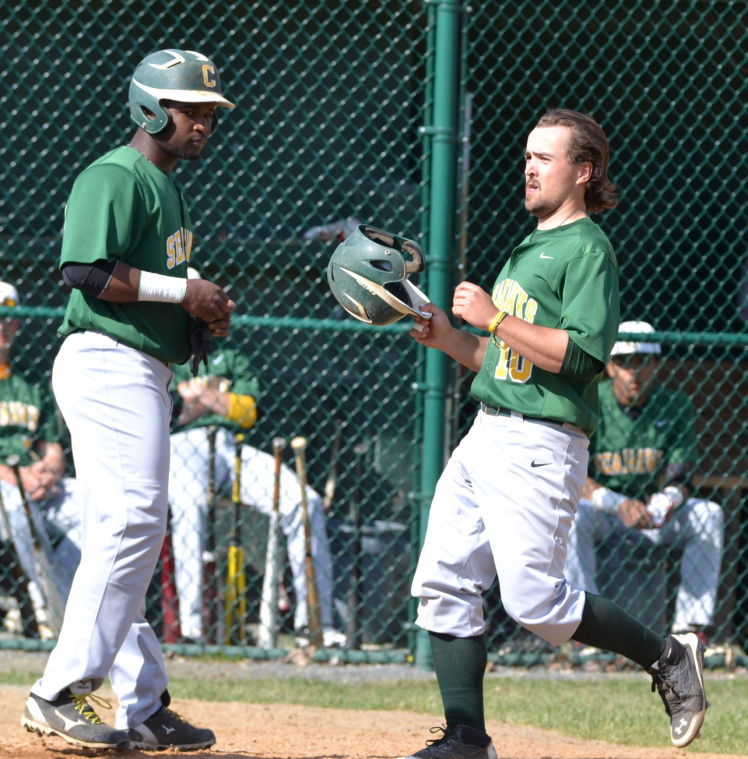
(71, 718)
(166, 729)
(680, 682)
(458, 742)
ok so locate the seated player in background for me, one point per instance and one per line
(224, 395)
(29, 429)
(641, 460)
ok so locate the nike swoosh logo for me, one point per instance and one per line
(534, 464)
(543, 255)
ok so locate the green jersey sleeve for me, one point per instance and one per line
(590, 299)
(104, 210)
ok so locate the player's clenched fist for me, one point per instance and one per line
(473, 304)
(207, 301)
(434, 331)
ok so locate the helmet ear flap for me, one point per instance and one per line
(151, 121)
(401, 244)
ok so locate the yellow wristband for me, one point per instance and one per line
(242, 410)
(496, 321)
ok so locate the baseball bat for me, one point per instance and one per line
(332, 476)
(269, 613)
(48, 586)
(235, 619)
(353, 601)
(210, 572)
(298, 444)
(171, 628)
(29, 625)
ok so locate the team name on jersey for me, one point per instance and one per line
(509, 296)
(178, 247)
(628, 461)
(19, 414)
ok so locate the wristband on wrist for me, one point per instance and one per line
(242, 410)
(674, 494)
(607, 500)
(161, 288)
(500, 316)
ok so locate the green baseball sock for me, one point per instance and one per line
(606, 625)
(460, 664)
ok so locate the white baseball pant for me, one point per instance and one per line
(696, 528)
(504, 506)
(61, 509)
(116, 404)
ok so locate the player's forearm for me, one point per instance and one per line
(118, 282)
(128, 284)
(589, 487)
(467, 348)
(6, 474)
(545, 347)
(53, 459)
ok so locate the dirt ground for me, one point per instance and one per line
(246, 731)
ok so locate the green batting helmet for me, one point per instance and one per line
(181, 75)
(368, 275)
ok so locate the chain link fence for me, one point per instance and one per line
(336, 123)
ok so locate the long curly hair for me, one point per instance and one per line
(588, 144)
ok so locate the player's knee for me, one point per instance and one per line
(535, 599)
(707, 514)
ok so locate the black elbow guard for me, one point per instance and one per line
(91, 279)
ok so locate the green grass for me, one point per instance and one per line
(618, 709)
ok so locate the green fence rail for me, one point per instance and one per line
(410, 115)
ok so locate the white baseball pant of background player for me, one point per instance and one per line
(696, 527)
(493, 512)
(188, 487)
(63, 510)
(116, 404)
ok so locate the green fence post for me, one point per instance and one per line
(443, 132)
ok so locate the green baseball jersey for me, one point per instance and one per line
(27, 417)
(123, 207)
(225, 364)
(629, 453)
(566, 278)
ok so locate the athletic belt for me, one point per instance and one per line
(501, 411)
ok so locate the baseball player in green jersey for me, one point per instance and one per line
(126, 245)
(641, 460)
(29, 430)
(505, 501)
